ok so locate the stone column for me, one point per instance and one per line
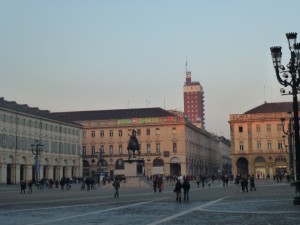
(28, 172)
(16, 174)
(50, 172)
(3, 174)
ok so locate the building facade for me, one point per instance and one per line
(170, 144)
(21, 129)
(193, 97)
(258, 143)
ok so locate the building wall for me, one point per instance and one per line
(61, 152)
(257, 144)
(195, 153)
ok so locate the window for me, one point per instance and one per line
(269, 144)
(120, 133)
(93, 150)
(101, 133)
(174, 147)
(138, 132)
(157, 148)
(83, 134)
(268, 127)
(120, 149)
(258, 145)
(93, 133)
(111, 133)
(102, 149)
(157, 131)
(280, 145)
(83, 150)
(23, 122)
(174, 130)
(279, 127)
(257, 128)
(148, 131)
(111, 149)
(241, 146)
(148, 148)
(240, 129)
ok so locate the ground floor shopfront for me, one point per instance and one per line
(262, 166)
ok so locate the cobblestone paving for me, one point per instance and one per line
(272, 204)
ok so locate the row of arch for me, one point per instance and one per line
(175, 165)
(242, 164)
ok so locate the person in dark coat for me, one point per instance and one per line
(186, 188)
(252, 183)
(23, 186)
(177, 190)
(155, 184)
(116, 185)
(30, 183)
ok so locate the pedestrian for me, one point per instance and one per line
(237, 183)
(23, 186)
(252, 183)
(186, 188)
(155, 184)
(160, 184)
(244, 184)
(30, 183)
(198, 181)
(177, 190)
(116, 185)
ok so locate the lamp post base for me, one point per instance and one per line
(297, 197)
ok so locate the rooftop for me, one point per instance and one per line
(113, 114)
(273, 107)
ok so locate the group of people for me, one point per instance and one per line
(243, 181)
(186, 188)
(24, 184)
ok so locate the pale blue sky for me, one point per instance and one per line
(90, 55)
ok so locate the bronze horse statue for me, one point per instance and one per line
(133, 145)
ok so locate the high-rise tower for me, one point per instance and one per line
(193, 97)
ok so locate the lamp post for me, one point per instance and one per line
(290, 76)
(37, 150)
(101, 154)
(290, 134)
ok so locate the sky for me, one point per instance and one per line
(97, 55)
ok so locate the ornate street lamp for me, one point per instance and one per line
(101, 155)
(37, 150)
(290, 76)
(290, 134)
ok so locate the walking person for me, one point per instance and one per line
(237, 183)
(177, 190)
(252, 183)
(186, 188)
(155, 183)
(116, 185)
(23, 186)
(30, 183)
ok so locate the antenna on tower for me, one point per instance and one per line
(186, 64)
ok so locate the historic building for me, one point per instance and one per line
(193, 97)
(22, 130)
(170, 144)
(258, 143)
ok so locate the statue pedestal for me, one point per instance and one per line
(134, 167)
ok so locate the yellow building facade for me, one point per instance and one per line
(169, 143)
(258, 144)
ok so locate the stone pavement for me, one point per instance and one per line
(271, 204)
